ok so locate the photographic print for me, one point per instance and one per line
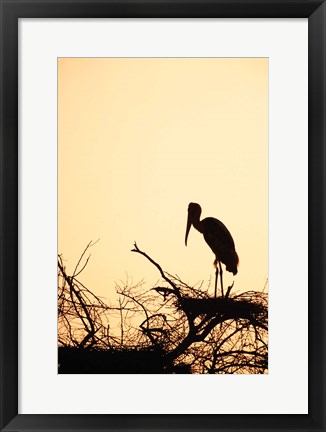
(163, 215)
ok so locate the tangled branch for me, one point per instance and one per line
(188, 330)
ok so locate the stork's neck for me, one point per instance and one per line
(197, 223)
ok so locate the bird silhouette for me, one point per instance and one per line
(218, 238)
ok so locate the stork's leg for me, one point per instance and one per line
(221, 277)
(216, 277)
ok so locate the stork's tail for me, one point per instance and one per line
(231, 261)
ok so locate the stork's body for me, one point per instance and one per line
(218, 238)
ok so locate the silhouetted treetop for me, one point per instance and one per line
(169, 328)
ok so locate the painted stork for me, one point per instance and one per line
(218, 238)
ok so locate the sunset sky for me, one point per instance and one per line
(140, 138)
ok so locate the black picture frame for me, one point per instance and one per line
(11, 11)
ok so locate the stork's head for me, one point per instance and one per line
(194, 212)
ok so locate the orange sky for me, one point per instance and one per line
(140, 138)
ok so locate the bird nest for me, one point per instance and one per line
(250, 305)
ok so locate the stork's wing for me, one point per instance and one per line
(217, 236)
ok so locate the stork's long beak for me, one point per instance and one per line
(189, 222)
